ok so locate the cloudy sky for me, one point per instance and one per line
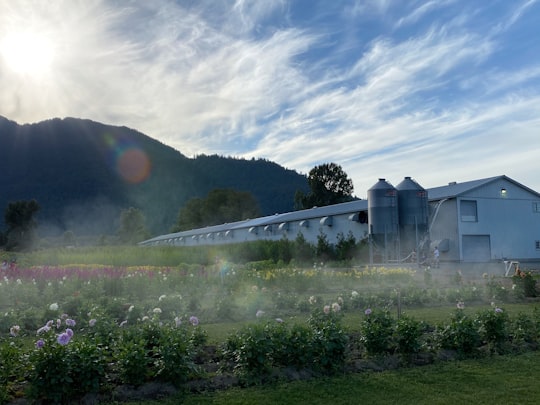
(440, 90)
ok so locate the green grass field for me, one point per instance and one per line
(497, 380)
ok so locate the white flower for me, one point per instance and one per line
(259, 313)
(156, 310)
(123, 323)
(336, 307)
(162, 297)
(131, 308)
(53, 307)
(14, 330)
(178, 321)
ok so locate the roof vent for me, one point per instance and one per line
(452, 183)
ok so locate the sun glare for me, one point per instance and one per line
(27, 53)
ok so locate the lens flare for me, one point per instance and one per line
(133, 165)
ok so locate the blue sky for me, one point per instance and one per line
(442, 91)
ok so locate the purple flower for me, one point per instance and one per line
(194, 320)
(40, 343)
(279, 320)
(460, 305)
(69, 332)
(63, 338)
(92, 322)
(70, 322)
(498, 310)
(368, 311)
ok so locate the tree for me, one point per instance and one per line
(328, 184)
(132, 226)
(21, 225)
(220, 206)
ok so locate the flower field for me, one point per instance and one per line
(73, 330)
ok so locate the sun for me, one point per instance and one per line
(27, 53)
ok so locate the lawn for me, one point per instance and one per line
(495, 380)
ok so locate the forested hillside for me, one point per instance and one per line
(83, 173)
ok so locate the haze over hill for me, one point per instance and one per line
(83, 173)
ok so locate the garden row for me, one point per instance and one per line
(65, 360)
(123, 294)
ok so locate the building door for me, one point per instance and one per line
(476, 248)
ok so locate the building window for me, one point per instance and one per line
(537, 244)
(536, 206)
(468, 211)
(504, 193)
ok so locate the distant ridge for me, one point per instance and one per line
(83, 173)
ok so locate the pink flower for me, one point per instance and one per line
(326, 309)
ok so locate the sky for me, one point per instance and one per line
(439, 90)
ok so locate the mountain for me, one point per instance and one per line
(83, 173)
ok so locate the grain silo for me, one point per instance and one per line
(383, 217)
(413, 215)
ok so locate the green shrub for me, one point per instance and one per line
(524, 285)
(377, 332)
(408, 335)
(329, 341)
(252, 353)
(461, 334)
(133, 362)
(12, 368)
(174, 356)
(493, 329)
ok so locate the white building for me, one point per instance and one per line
(484, 220)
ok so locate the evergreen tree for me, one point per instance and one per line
(21, 225)
(132, 226)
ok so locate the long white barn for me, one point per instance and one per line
(483, 220)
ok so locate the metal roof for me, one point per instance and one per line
(455, 189)
(451, 190)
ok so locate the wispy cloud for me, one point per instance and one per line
(385, 88)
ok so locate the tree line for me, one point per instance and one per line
(328, 184)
